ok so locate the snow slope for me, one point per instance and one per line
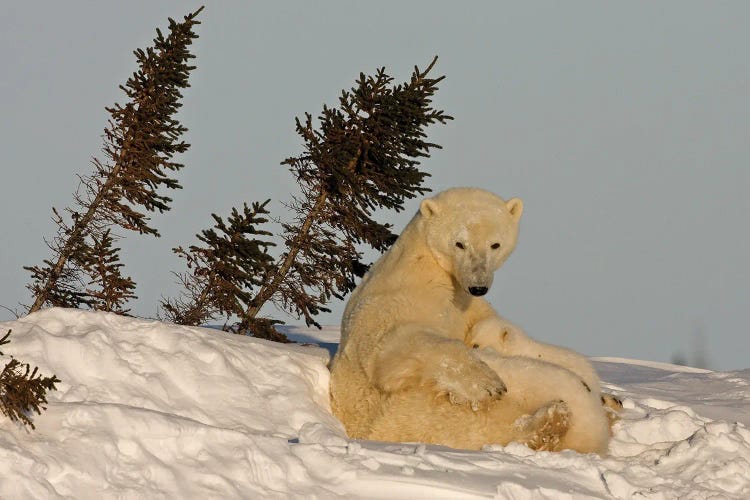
(152, 410)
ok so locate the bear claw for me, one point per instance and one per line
(546, 427)
(611, 401)
(496, 392)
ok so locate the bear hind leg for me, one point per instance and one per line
(545, 429)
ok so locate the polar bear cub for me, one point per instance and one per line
(546, 407)
(510, 340)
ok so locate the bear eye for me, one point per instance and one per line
(495, 246)
(459, 245)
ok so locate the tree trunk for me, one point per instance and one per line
(268, 289)
(78, 228)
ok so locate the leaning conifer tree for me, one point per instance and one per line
(23, 390)
(233, 260)
(139, 145)
(107, 289)
(363, 156)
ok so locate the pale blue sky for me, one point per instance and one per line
(623, 127)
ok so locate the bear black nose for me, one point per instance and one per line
(477, 291)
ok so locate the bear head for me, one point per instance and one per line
(500, 335)
(470, 232)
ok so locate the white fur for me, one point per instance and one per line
(539, 395)
(403, 370)
(510, 340)
(537, 382)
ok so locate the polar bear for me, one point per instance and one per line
(403, 358)
(546, 407)
(509, 339)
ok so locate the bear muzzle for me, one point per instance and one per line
(478, 291)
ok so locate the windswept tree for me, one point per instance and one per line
(364, 155)
(107, 289)
(140, 143)
(223, 272)
(22, 389)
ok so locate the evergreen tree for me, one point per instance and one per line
(224, 272)
(139, 145)
(23, 390)
(108, 290)
(363, 156)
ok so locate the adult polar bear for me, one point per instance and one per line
(404, 371)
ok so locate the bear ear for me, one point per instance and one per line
(515, 207)
(428, 208)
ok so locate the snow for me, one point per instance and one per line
(153, 410)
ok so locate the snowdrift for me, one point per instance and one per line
(153, 410)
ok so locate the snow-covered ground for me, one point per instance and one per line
(151, 410)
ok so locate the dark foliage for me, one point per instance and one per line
(22, 389)
(139, 145)
(363, 156)
(223, 273)
(107, 290)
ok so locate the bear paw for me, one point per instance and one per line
(612, 408)
(544, 430)
(612, 402)
(471, 381)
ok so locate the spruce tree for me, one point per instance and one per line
(107, 289)
(233, 261)
(363, 156)
(140, 143)
(23, 390)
